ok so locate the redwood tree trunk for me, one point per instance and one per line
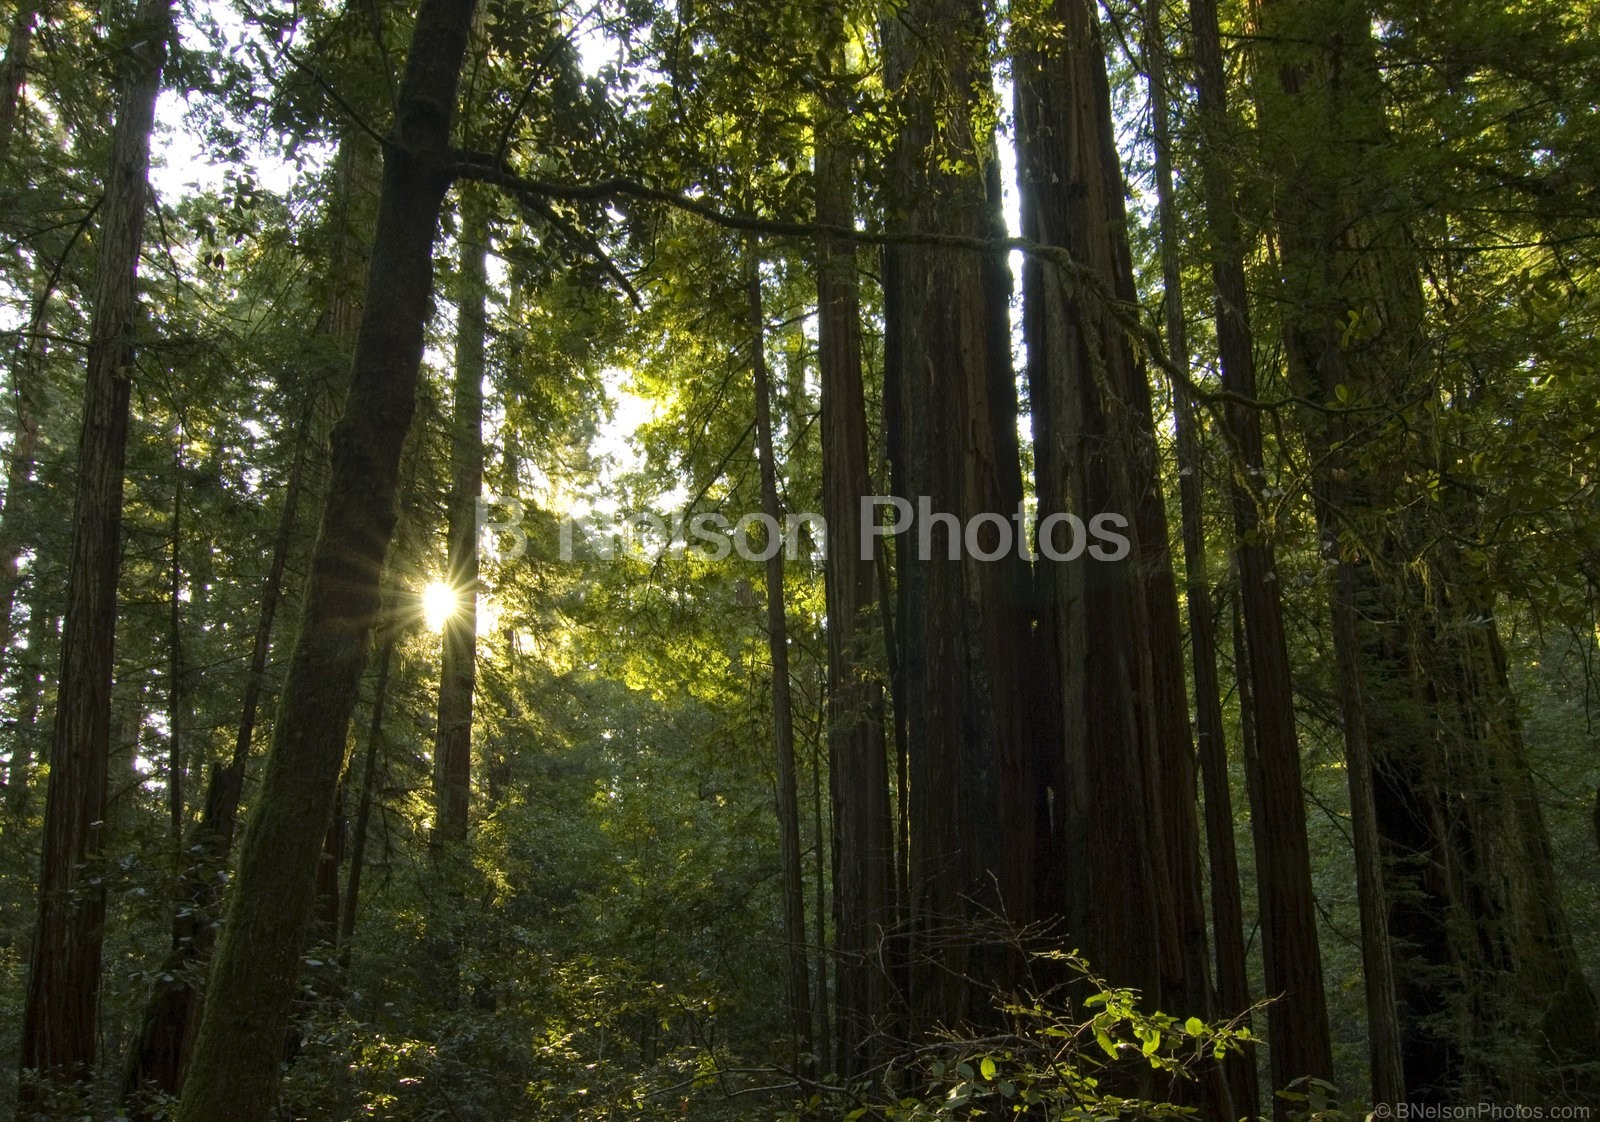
(234, 1075)
(1134, 898)
(858, 771)
(976, 797)
(14, 71)
(60, 1017)
(1496, 1007)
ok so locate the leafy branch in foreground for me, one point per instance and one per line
(1098, 1057)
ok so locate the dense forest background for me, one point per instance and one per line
(375, 745)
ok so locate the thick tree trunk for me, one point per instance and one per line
(858, 770)
(1134, 897)
(792, 885)
(458, 669)
(234, 1074)
(60, 1018)
(1227, 910)
(1495, 1006)
(977, 810)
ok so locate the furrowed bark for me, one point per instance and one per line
(1133, 893)
(976, 797)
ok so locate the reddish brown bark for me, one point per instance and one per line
(60, 1019)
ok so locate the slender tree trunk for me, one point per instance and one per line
(1227, 911)
(175, 696)
(793, 884)
(60, 1018)
(234, 1074)
(819, 874)
(858, 770)
(159, 1054)
(369, 790)
(1298, 1016)
(20, 457)
(1377, 962)
(458, 669)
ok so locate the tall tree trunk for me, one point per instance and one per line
(792, 884)
(234, 1074)
(1134, 899)
(458, 669)
(61, 1014)
(1495, 1006)
(1299, 1040)
(1227, 910)
(858, 769)
(977, 800)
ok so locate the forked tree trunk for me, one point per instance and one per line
(234, 1074)
(792, 886)
(60, 1025)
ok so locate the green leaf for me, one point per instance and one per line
(1194, 1026)
(986, 1067)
